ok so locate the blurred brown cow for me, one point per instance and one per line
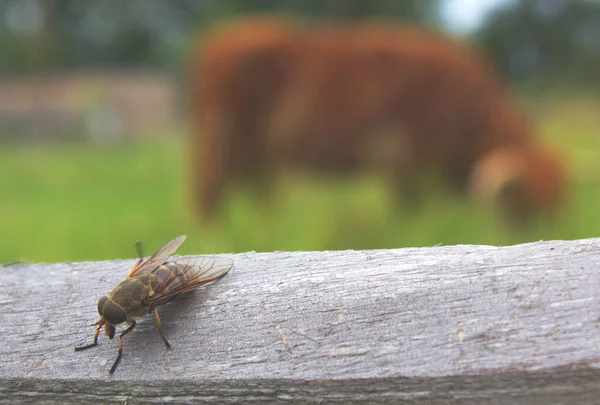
(399, 99)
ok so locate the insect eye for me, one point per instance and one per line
(114, 314)
(101, 303)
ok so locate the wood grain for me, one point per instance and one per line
(458, 324)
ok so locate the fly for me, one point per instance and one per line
(150, 284)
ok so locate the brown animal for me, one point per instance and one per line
(522, 179)
(237, 76)
(400, 99)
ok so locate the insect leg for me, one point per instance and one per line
(118, 360)
(138, 249)
(160, 331)
(100, 323)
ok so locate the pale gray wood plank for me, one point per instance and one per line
(457, 324)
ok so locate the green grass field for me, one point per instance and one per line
(78, 202)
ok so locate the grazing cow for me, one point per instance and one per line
(403, 100)
(522, 179)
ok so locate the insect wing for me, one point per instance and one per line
(174, 278)
(159, 257)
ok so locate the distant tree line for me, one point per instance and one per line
(528, 39)
(545, 40)
(58, 34)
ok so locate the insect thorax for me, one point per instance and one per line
(130, 295)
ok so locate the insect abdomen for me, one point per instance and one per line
(168, 273)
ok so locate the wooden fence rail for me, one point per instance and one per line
(451, 325)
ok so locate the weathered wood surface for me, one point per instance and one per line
(461, 324)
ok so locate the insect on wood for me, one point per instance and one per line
(150, 284)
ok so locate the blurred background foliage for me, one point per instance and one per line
(542, 39)
(84, 197)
